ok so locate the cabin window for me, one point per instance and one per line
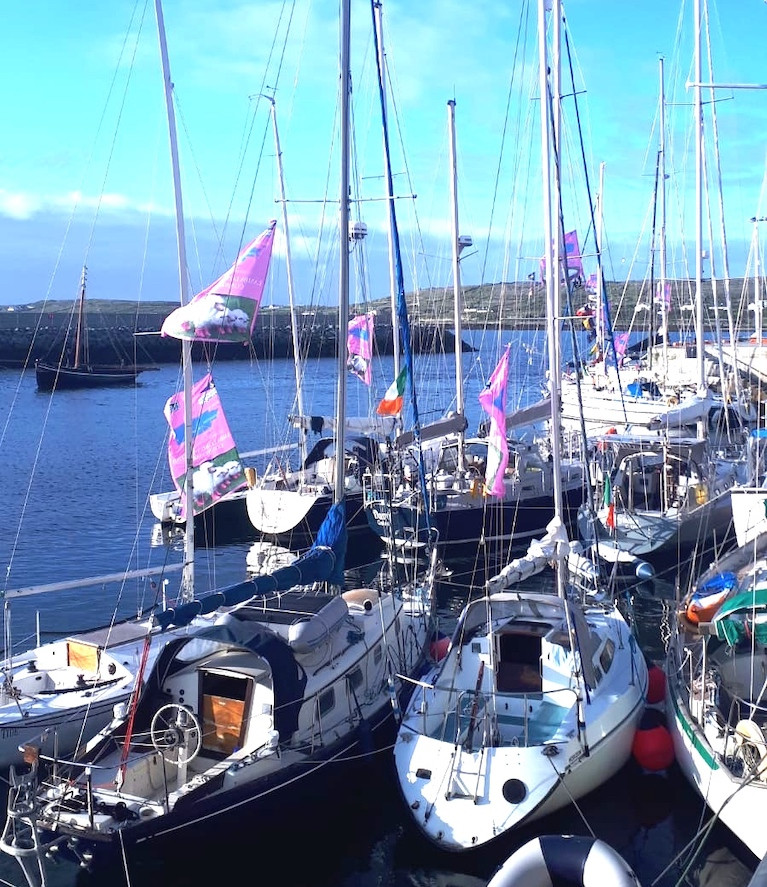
(356, 679)
(83, 657)
(607, 655)
(448, 459)
(224, 702)
(377, 655)
(327, 701)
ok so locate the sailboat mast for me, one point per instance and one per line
(698, 105)
(291, 289)
(457, 295)
(551, 270)
(187, 582)
(662, 199)
(378, 18)
(79, 331)
(343, 271)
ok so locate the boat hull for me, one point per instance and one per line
(488, 522)
(736, 802)
(52, 377)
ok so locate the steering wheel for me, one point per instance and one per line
(175, 727)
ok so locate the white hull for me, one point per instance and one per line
(489, 742)
(64, 692)
(715, 669)
(739, 804)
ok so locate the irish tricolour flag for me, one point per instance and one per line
(391, 405)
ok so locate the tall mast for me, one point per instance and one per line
(187, 582)
(291, 291)
(378, 14)
(343, 272)
(662, 198)
(698, 105)
(758, 306)
(552, 275)
(457, 295)
(80, 355)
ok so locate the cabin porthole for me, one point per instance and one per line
(514, 791)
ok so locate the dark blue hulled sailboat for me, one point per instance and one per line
(258, 687)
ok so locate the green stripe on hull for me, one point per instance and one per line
(692, 734)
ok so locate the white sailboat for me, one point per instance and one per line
(538, 698)
(664, 495)
(287, 505)
(658, 497)
(249, 703)
(716, 706)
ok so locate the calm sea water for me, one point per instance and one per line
(77, 470)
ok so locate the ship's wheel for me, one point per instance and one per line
(174, 727)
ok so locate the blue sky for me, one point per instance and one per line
(84, 169)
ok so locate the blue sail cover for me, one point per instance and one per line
(323, 562)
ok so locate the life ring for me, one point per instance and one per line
(361, 598)
(565, 859)
(752, 748)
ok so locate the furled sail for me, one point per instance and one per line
(226, 310)
(217, 466)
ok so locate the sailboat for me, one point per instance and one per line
(60, 693)
(658, 497)
(664, 495)
(287, 505)
(463, 511)
(715, 698)
(247, 707)
(538, 697)
(75, 369)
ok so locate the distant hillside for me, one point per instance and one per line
(520, 304)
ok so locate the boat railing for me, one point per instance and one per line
(471, 717)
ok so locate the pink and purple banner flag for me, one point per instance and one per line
(492, 398)
(226, 310)
(574, 260)
(621, 341)
(573, 251)
(359, 343)
(217, 466)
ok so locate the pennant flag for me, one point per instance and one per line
(608, 501)
(226, 310)
(493, 400)
(573, 251)
(359, 343)
(218, 469)
(591, 284)
(621, 343)
(391, 405)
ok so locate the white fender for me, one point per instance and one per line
(552, 859)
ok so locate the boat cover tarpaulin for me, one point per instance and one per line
(743, 617)
(323, 562)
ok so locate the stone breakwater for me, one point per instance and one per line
(28, 335)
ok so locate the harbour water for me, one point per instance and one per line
(78, 468)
